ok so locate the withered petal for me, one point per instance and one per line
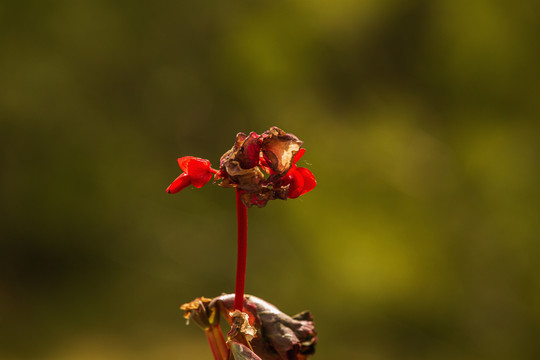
(239, 164)
(240, 137)
(279, 149)
(260, 197)
(248, 154)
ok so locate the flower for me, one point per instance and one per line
(275, 152)
(196, 172)
(261, 167)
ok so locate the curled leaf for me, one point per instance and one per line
(281, 337)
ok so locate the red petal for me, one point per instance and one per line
(296, 185)
(183, 162)
(298, 155)
(309, 179)
(180, 183)
(199, 172)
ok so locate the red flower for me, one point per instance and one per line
(196, 172)
(273, 152)
(299, 179)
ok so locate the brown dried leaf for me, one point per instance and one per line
(281, 337)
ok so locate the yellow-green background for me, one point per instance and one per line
(421, 122)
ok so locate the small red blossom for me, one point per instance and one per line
(196, 172)
(299, 179)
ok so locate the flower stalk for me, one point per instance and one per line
(241, 213)
(217, 343)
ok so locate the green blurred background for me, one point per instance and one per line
(421, 240)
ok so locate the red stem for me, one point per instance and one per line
(241, 213)
(213, 345)
(221, 345)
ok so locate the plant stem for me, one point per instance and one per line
(221, 345)
(241, 213)
(213, 345)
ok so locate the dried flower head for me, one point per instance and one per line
(198, 311)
